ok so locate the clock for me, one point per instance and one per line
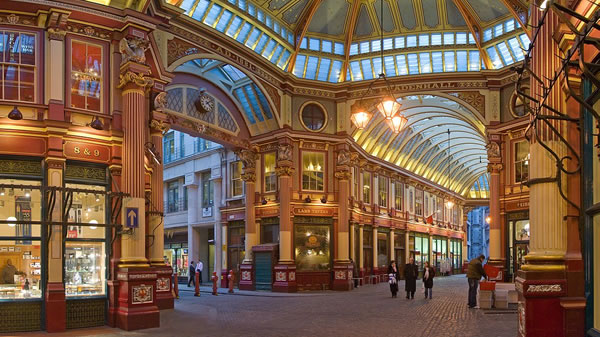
(205, 102)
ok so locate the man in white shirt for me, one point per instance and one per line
(199, 267)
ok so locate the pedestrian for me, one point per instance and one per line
(474, 274)
(354, 273)
(199, 267)
(192, 271)
(411, 271)
(428, 275)
(394, 276)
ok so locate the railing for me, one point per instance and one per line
(176, 206)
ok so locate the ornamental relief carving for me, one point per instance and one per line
(473, 98)
(160, 126)
(249, 177)
(342, 175)
(343, 157)
(16, 20)
(493, 149)
(248, 158)
(140, 80)
(313, 145)
(285, 171)
(133, 49)
(141, 294)
(544, 288)
(160, 101)
(284, 152)
(89, 31)
(177, 49)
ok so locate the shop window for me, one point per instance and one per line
(312, 247)
(20, 247)
(85, 250)
(367, 249)
(236, 179)
(383, 191)
(313, 117)
(269, 233)
(312, 171)
(521, 161)
(419, 203)
(207, 190)
(398, 196)
(366, 187)
(270, 175)
(86, 76)
(522, 230)
(382, 249)
(421, 250)
(18, 66)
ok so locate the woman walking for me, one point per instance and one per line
(411, 271)
(428, 274)
(393, 278)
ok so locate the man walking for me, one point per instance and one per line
(199, 267)
(191, 276)
(474, 274)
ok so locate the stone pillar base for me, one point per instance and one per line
(56, 307)
(137, 299)
(285, 278)
(342, 277)
(113, 302)
(164, 295)
(246, 277)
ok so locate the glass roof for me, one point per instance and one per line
(481, 187)
(423, 146)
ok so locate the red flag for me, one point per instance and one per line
(429, 220)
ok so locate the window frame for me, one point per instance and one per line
(385, 194)
(235, 180)
(398, 196)
(38, 67)
(523, 162)
(271, 174)
(367, 195)
(323, 171)
(301, 118)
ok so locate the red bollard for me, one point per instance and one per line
(175, 285)
(231, 278)
(214, 278)
(197, 283)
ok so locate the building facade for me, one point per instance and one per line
(478, 233)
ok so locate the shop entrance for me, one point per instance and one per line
(518, 241)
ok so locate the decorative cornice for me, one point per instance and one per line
(56, 34)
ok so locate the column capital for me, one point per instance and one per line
(249, 177)
(342, 174)
(57, 34)
(495, 167)
(137, 79)
(284, 171)
(159, 126)
(248, 158)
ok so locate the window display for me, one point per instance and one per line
(312, 171)
(421, 249)
(312, 247)
(84, 268)
(86, 76)
(270, 176)
(382, 249)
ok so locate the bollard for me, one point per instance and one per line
(197, 290)
(175, 285)
(231, 278)
(214, 279)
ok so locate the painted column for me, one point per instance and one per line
(217, 184)
(353, 243)
(375, 264)
(249, 158)
(361, 251)
(137, 288)
(223, 248)
(406, 244)
(392, 243)
(495, 257)
(342, 266)
(285, 270)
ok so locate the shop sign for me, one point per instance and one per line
(90, 152)
(313, 220)
(264, 212)
(313, 211)
(517, 205)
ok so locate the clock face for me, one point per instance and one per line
(206, 103)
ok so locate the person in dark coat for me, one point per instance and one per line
(192, 274)
(428, 275)
(411, 272)
(354, 273)
(394, 276)
(474, 275)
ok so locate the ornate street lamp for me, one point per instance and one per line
(396, 123)
(361, 117)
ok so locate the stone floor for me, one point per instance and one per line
(367, 311)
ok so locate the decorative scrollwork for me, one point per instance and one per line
(342, 175)
(140, 80)
(160, 101)
(284, 171)
(284, 152)
(248, 158)
(249, 177)
(160, 126)
(133, 49)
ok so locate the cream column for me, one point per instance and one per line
(391, 252)
(249, 158)
(361, 252)
(352, 252)
(375, 262)
(158, 128)
(217, 184)
(343, 235)
(406, 244)
(223, 247)
(55, 256)
(495, 230)
(133, 83)
(285, 171)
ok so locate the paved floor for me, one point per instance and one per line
(367, 311)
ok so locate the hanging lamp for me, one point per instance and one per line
(449, 203)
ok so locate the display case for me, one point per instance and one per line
(84, 268)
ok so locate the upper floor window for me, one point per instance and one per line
(367, 187)
(383, 191)
(270, 175)
(207, 190)
(236, 179)
(313, 117)
(419, 202)
(521, 161)
(398, 196)
(17, 63)
(86, 76)
(173, 196)
(312, 171)
(169, 146)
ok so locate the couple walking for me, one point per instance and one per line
(411, 273)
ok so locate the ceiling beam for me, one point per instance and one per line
(514, 10)
(349, 35)
(475, 29)
(301, 29)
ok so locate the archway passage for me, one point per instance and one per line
(443, 141)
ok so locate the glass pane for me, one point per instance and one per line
(436, 59)
(233, 28)
(10, 77)
(353, 49)
(21, 266)
(367, 69)
(494, 57)
(411, 41)
(522, 230)
(425, 62)
(299, 66)
(27, 49)
(461, 60)
(506, 56)
(313, 44)
(377, 66)
(413, 64)
(326, 46)
(311, 67)
(449, 61)
(474, 60)
(334, 75)
(85, 268)
(12, 47)
(27, 77)
(448, 38)
(390, 70)
(382, 249)
(88, 207)
(399, 42)
(375, 45)
(323, 69)
(223, 21)
(401, 63)
(339, 48)
(364, 47)
(312, 247)
(20, 204)
(423, 40)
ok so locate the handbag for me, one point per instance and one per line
(392, 279)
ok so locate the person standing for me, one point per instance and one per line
(474, 274)
(428, 275)
(394, 276)
(411, 271)
(191, 272)
(199, 267)
(354, 273)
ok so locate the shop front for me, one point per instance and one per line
(235, 247)
(419, 247)
(400, 251)
(439, 254)
(517, 241)
(176, 254)
(456, 255)
(312, 252)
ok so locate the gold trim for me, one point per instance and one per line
(131, 265)
(543, 267)
(133, 259)
(544, 257)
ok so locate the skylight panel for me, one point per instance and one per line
(244, 32)
(376, 45)
(260, 15)
(348, 74)
(277, 53)
(269, 48)
(242, 4)
(223, 21)
(411, 41)
(261, 43)
(505, 53)
(356, 72)
(367, 69)
(474, 61)
(509, 25)
(423, 40)
(448, 39)
(516, 49)
(472, 39)
(461, 60)
(413, 64)
(401, 63)
(364, 47)
(390, 69)
(388, 43)
(290, 36)
(436, 39)
(498, 30)
(254, 102)
(311, 67)
(494, 57)
(239, 93)
(233, 72)
(200, 9)
(313, 44)
(276, 27)
(399, 42)
(449, 64)
(299, 66)
(461, 38)
(186, 5)
(234, 2)
(425, 62)
(234, 26)
(269, 22)
(487, 35)
(263, 102)
(251, 9)
(284, 59)
(437, 62)
(253, 37)
(377, 66)
(338, 48)
(304, 43)
(336, 69)
(354, 49)
(323, 69)
(525, 41)
(326, 46)
(212, 15)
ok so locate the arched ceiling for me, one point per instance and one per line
(423, 146)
